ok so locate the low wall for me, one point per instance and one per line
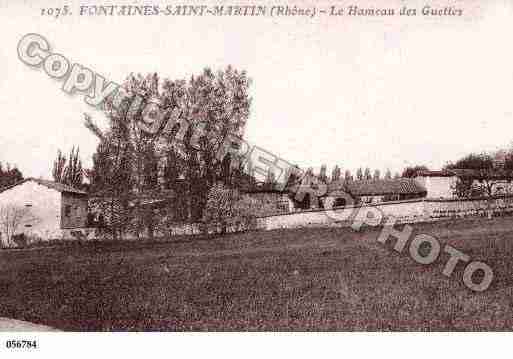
(409, 211)
(450, 208)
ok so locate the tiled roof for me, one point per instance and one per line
(59, 186)
(469, 173)
(440, 173)
(49, 184)
(379, 187)
(263, 188)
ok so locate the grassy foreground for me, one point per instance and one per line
(308, 279)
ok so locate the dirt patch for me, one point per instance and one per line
(13, 325)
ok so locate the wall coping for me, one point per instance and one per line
(414, 200)
(467, 199)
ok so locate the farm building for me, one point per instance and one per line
(46, 210)
(442, 184)
(438, 184)
(373, 191)
(271, 195)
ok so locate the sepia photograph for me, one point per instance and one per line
(264, 167)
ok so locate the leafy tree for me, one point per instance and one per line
(293, 175)
(348, 176)
(307, 180)
(69, 171)
(112, 177)
(367, 174)
(336, 173)
(210, 107)
(376, 175)
(323, 174)
(173, 168)
(473, 161)
(388, 174)
(482, 166)
(227, 210)
(9, 175)
(74, 175)
(98, 174)
(359, 174)
(59, 167)
(464, 188)
(508, 162)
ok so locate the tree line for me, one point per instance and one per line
(360, 175)
(9, 175)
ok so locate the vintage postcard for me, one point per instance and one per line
(255, 166)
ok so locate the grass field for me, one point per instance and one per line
(308, 279)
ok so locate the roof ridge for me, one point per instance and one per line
(60, 187)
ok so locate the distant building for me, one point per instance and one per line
(438, 184)
(276, 198)
(49, 208)
(442, 184)
(373, 191)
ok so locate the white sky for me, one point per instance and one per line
(377, 92)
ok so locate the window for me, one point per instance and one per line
(67, 210)
(28, 204)
(339, 202)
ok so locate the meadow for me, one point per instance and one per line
(299, 280)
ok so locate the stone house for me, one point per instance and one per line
(49, 210)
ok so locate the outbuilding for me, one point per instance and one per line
(372, 191)
(42, 209)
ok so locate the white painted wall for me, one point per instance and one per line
(411, 211)
(438, 187)
(45, 213)
(404, 211)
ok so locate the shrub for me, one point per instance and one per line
(20, 240)
(227, 210)
(11, 218)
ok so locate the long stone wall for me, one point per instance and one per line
(440, 209)
(407, 211)
(410, 211)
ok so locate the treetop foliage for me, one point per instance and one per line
(9, 175)
(69, 170)
(181, 156)
(473, 161)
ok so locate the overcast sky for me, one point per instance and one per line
(352, 91)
